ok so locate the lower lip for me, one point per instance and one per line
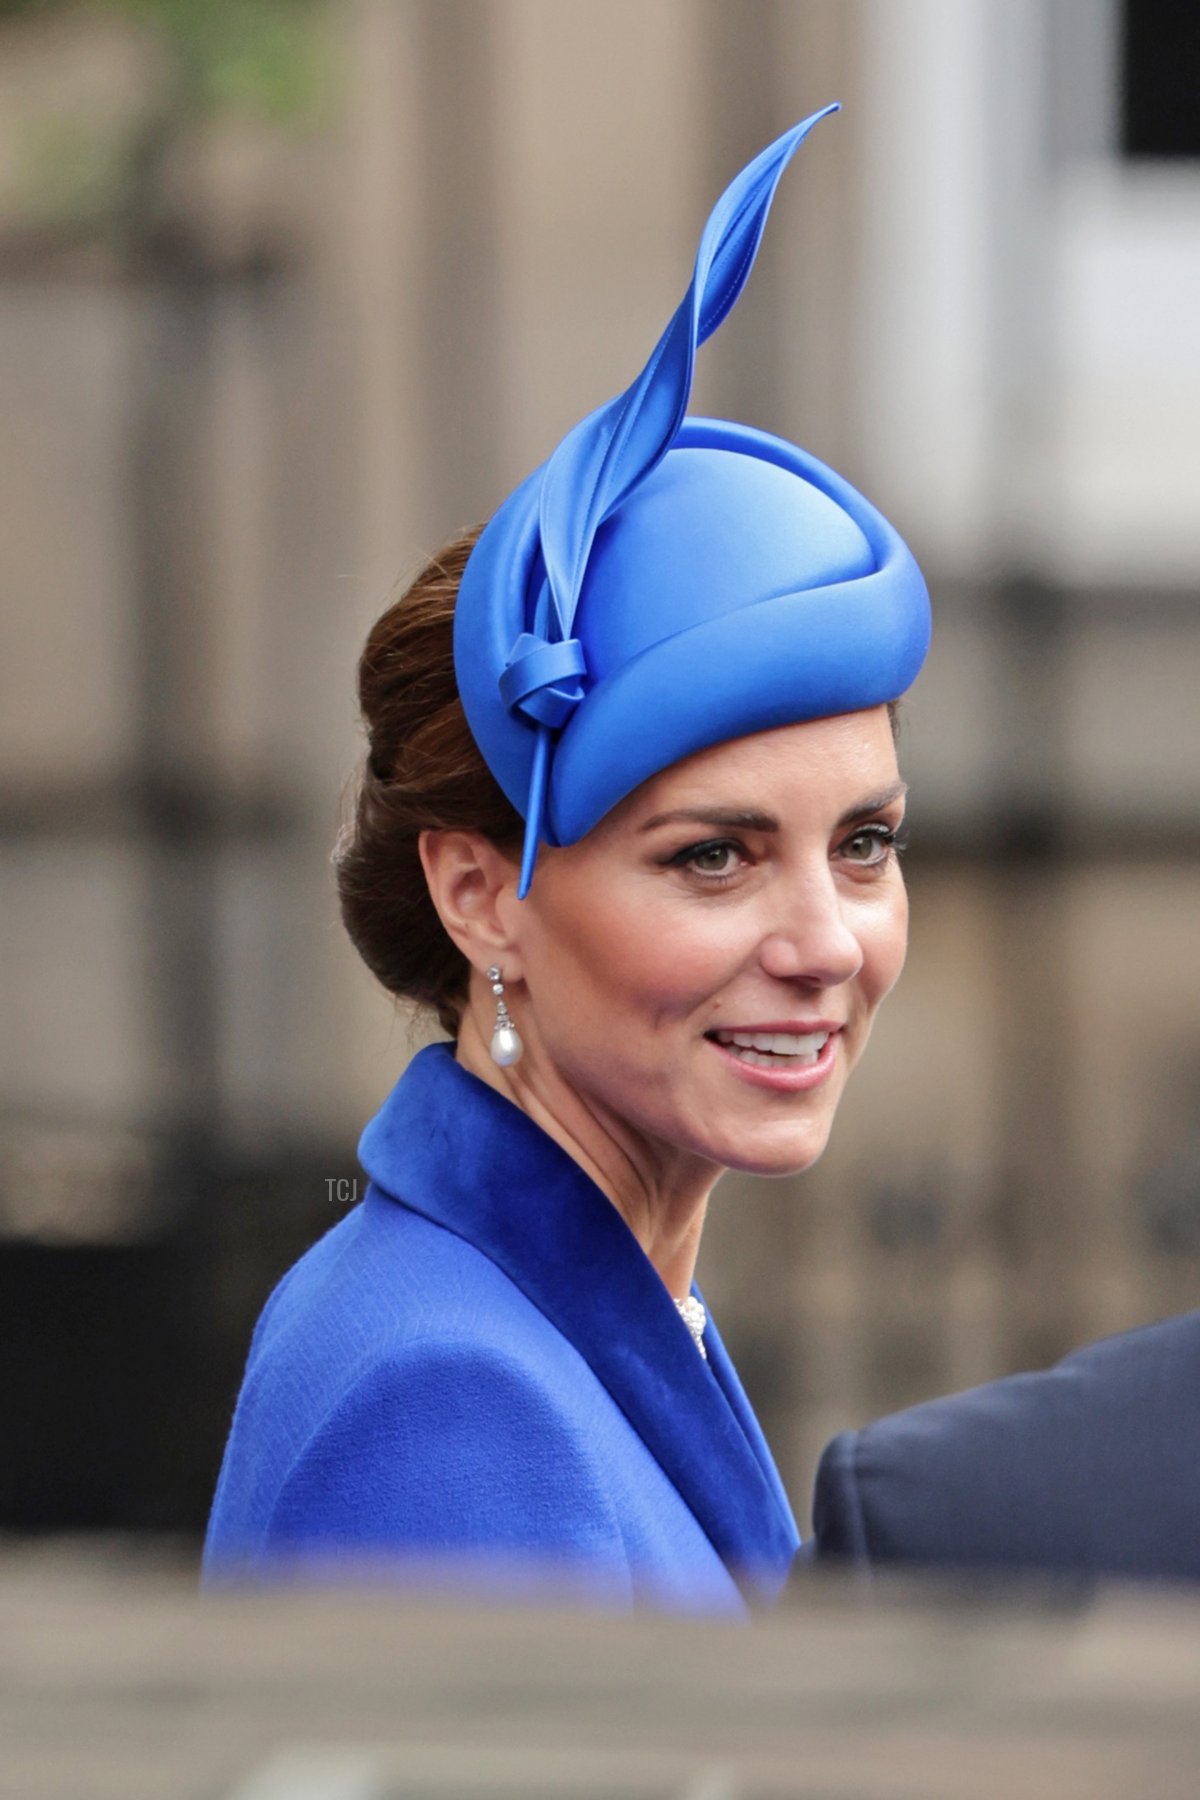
(794, 1079)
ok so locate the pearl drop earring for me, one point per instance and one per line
(507, 1047)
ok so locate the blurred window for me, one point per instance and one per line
(1160, 78)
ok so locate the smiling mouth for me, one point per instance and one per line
(773, 1049)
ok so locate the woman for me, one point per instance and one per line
(669, 659)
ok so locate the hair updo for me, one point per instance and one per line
(423, 772)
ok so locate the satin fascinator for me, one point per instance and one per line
(665, 583)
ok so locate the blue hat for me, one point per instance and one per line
(662, 583)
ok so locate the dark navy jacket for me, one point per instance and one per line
(1090, 1468)
(479, 1366)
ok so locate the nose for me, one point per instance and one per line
(812, 941)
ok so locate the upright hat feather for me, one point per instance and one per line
(662, 583)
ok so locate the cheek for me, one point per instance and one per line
(884, 939)
(630, 953)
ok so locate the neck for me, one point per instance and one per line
(660, 1192)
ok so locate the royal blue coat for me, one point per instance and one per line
(1088, 1469)
(479, 1368)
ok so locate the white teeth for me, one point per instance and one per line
(762, 1048)
(759, 1059)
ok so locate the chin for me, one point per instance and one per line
(759, 1156)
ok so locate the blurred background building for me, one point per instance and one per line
(288, 292)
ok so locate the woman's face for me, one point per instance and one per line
(703, 968)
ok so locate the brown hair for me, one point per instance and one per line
(423, 771)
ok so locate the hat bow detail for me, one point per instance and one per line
(543, 680)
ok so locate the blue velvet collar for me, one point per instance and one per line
(451, 1148)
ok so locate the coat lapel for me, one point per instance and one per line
(449, 1147)
(735, 1394)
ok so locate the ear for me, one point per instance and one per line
(473, 885)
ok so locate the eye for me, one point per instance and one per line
(714, 860)
(870, 846)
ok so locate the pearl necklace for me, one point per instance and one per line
(694, 1317)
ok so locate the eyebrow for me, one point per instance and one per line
(750, 819)
(726, 819)
(876, 802)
